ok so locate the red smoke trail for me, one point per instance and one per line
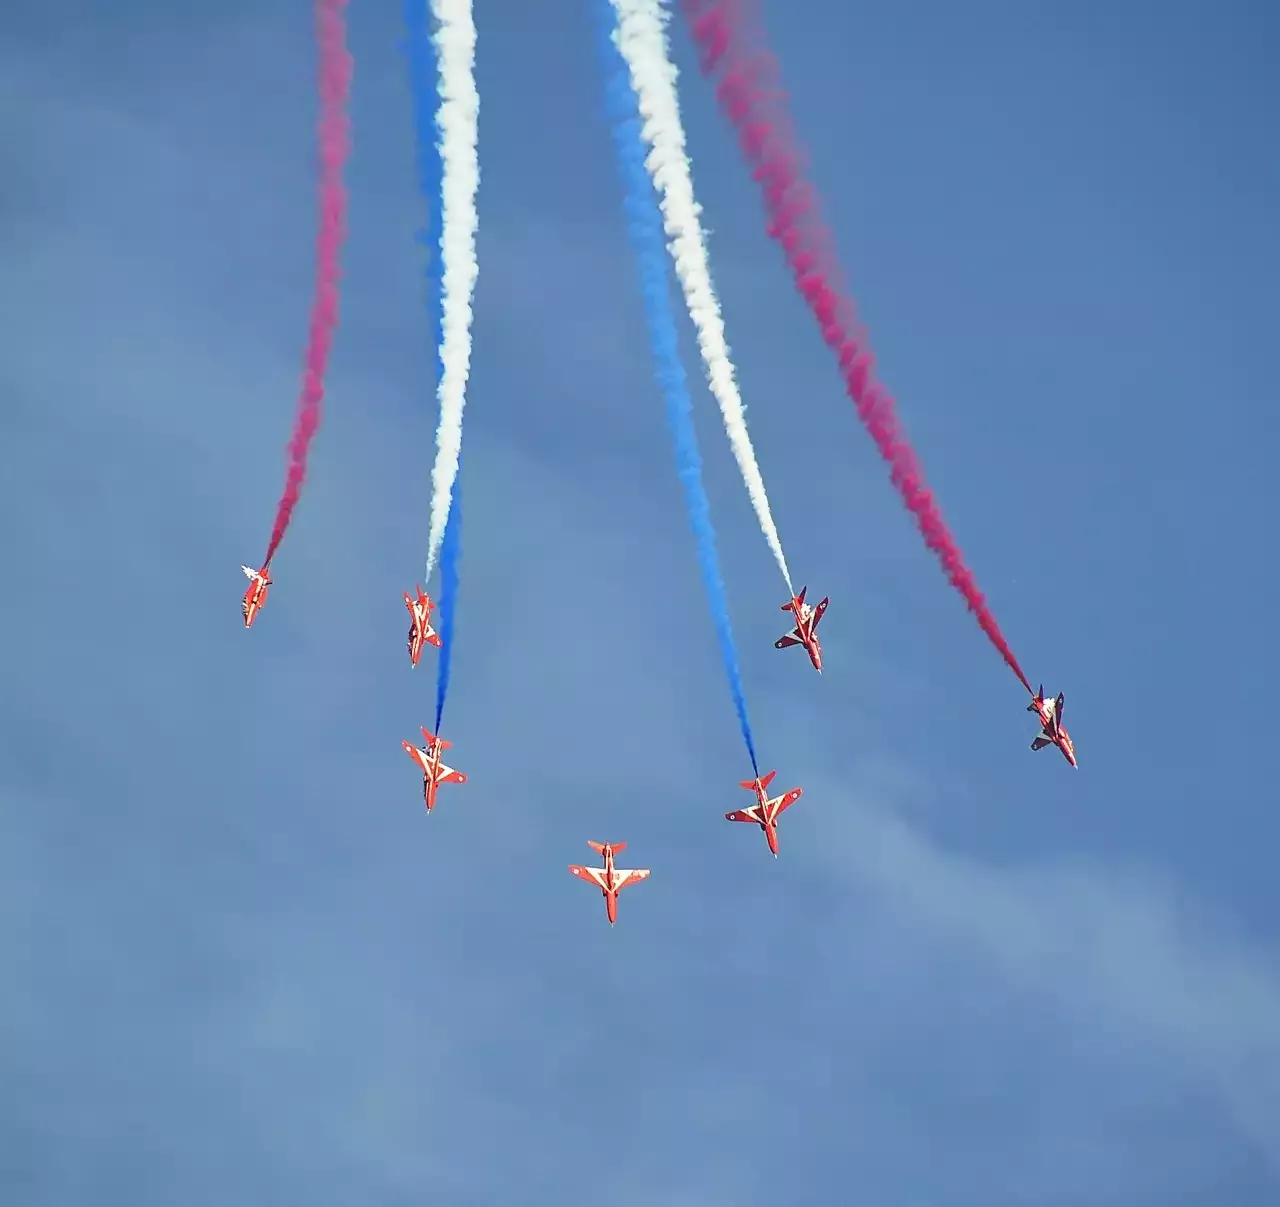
(749, 90)
(335, 142)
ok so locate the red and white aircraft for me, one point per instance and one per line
(256, 595)
(609, 880)
(420, 629)
(765, 812)
(434, 772)
(806, 631)
(1054, 732)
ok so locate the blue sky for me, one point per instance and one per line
(241, 964)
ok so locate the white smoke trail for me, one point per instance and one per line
(455, 42)
(641, 36)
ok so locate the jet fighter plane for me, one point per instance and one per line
(420, 629)
(765, 812)
(609, 880)
(1047, 710)
(806, 631)
(1054, 733)
(434, 772)
(256, 595)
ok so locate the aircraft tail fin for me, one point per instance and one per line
(599, 847)
(765, 781)
(790, 605)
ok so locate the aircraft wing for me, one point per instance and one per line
(752, 815)
(789, 799)
(590, 875)
(818, 611)
(630, 876)
(1041, 742)
(418, 756)
(792, 638)
(449, 776)
(1060, 704)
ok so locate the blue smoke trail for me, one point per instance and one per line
(644, 227)
(450, 552)
(422, 83)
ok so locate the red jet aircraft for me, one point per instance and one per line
(434, 772)
(1054, 731)
(609, 879)
(765, 812)
(420, 629)
(806, 631)
(256, 595)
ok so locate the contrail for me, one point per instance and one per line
(430, 170)
(641, 36)
(644, 228)
(455, 42)
(450, 556)
(335, 143)
(749, 89)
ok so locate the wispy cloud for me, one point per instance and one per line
(1117, 949)
(244, 966)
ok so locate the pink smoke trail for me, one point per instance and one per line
(335, 143)
(749, 91)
